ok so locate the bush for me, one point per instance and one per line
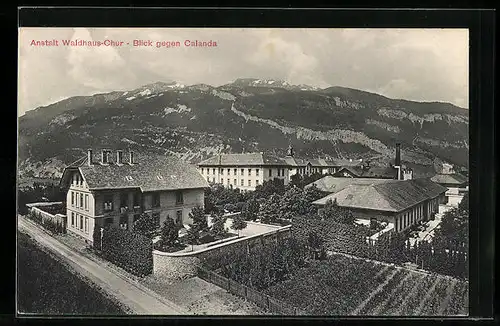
(131, 251)
(169, 233)
(145, 225)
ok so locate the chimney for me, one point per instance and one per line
(397, 161)
(89, 157)
(119, 157)
(131, 158)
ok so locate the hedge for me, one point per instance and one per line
(131, 251)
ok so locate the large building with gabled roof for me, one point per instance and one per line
(401, 202)
(116, 190)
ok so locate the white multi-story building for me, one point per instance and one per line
(115, 191)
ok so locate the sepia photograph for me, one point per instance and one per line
(243, 171)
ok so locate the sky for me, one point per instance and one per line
(412, 64)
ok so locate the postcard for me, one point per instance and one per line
(243, 171)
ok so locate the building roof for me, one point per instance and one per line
(150, 173)
(390, 196)
(335, 184)
(244, 159)
(372, 172)
(250, 159)
(454, 178)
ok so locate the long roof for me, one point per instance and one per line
(391, 195)
(150, 173)
(334, 184)
(454, 178)
(252, 159)
(244, 159)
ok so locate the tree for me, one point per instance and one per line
(145, 225)
(169, 233)
(270, 209)
(339, 214)
(192, 235)
(197, 215)
(269, 187)
(312, 193)
(238, 223)
(315, 244)
(218, 222)
(250, 210)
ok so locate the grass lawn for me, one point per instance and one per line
(46, 286)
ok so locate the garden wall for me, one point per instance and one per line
(39, 210)
(184, 264)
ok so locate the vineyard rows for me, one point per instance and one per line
(347, 286)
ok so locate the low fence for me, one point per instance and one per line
(262, 300)
(53, 222)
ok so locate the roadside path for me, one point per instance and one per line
(139, 299)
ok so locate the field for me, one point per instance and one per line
(45, 286)
(348, 286)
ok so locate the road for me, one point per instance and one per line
(139, 299)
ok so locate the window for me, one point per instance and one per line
(72, 219)
(123, 200)
(235, 183)
(235, 171)
(213, 180)
(128, 178)
(221, 180)
(249, 172)
(156, 199)
(159, 177)
(81, 180)
(81, 222)
(72, 198)
(228, 182)
(136, 200)
(156, 218)
(221, 171)
(228, 171)
(213, 172)
(178, 217)
(242, 182)
(108, 203)
(282, 172)
(202, 171)
(278, 172)
(86, 225)
(81, 200)
(242, 172)
(249, 182)
(270, 172)
(124, 222)
(86, 202)
(179, 199)
(256, 182)
(257, 172)
(136, 217)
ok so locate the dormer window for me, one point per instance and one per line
(159, 177)
(128, 178)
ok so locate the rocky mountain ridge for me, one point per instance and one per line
(197, 121)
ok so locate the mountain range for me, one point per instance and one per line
(247, 115)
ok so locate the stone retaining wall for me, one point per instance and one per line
(184, 264)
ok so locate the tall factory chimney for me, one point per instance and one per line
(397, 162)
